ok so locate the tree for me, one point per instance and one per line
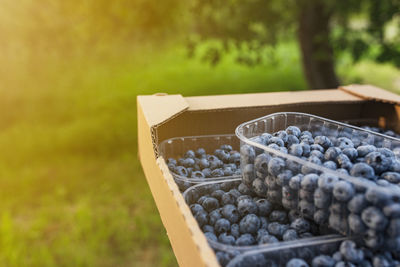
(323, 29)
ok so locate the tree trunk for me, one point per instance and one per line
(316, 50)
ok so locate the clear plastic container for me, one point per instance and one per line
(192, 195)
(313, 189)
(176, 148)
(281, 254)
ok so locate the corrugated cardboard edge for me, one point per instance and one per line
(370, 92)
(189, 245)
(198, 237)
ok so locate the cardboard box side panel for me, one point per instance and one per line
(225, 121)
(187, 252)
(265, 99)
(385, 113)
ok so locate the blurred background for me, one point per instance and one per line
(72, 190)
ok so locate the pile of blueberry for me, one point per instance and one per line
(346, 254)
(368, 205)
(382, 131)
(230, 213)
(198, 164)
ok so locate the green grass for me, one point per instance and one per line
(72, 190)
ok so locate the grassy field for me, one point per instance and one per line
(72, 190)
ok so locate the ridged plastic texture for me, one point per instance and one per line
(266, 179)
(192, 194)
(176, 148)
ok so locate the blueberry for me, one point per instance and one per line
(293, 215)
(230, 213)
(317, 147)
(249, 224)
(309, 182)
(214, 216)
(292, 140)
(264, 207)
(395, 167)
(351, 153)
(382, 182)
(227, 199)
(337, 208)
(365, 149)
(344, 264)
(263, 223)
(323, 141)
(224, 238)
(392, 177)
(338, 222)
(392, 210)
(380, 261)
(217, 194)
(343, 171)
(297, 263)
(227, 148)
(376, 196)
(344, 161)
(182, 171)
(374, 218)
(223, 258)
(306, 139)
(323, 261)
(195, 208)
(189, 162)
(387, 152)
(284, 177)
(337, 256)
(204, 163)
(321, 199)
(268, 239)
(265, 137)
(276, 166)
(343, 191)
(260, 233)
(172, 161)
(300, 225)
(198, 175)
(321, 216)
(245, 240)
(332, 153)
(201, 200)
(277, 229)
(305, 169)
(306, 148)
(248, 174)
(242, 197)
(295, 182)
(259, 187)
(306, 195)
(363, 170)
(235, 232)
(235, 158)
(379, 162)
(243, 189)
(247, 206)
(393, 229)
(222, 225)
(288, 193)
(247, 154)
(234, 192)
(357, 204)
(278, 216)
(211, 236)
(206, 172)
(318, 154)
(201, 218)
(277, 141)
(293, 130)
(350, 252)
(306, 208)
(356, 225)
(217, 173)
(261, 163)
(190, 154)
(290, 235)
(296, 150)
(271, 183)
(274, 146)
(306, 235)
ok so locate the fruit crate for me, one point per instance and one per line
(176, 148)
(210, 202)
(356, 193)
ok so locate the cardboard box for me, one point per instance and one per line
(161, 117)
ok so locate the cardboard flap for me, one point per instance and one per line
(158, 109)
(370, 92)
